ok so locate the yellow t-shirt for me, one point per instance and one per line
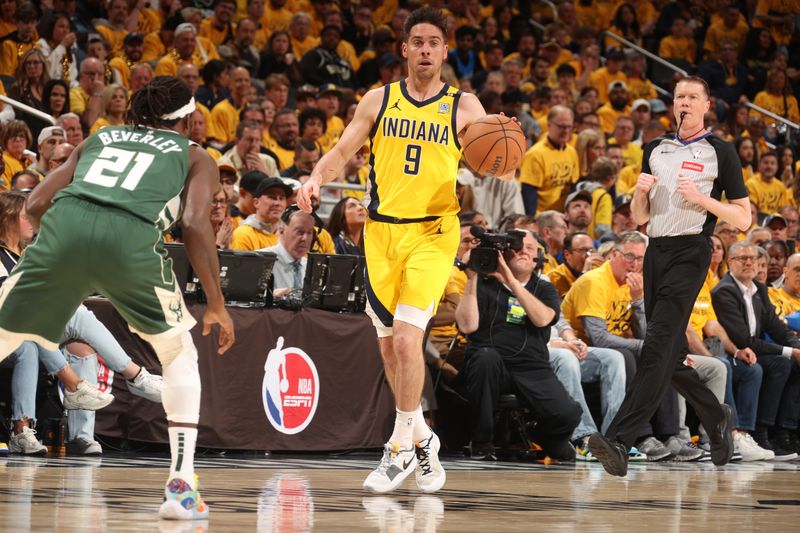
(246, 237)
(455, 285)
(78, 100)
(703, 311)
(600, 78)
(6, 28)
(781, 34)
(608, 117)
(301, 47)
(562, 278)
(276, 19)
(210, 32)
(102, 122)
(775, 104)
(115, 38)
(285, 155)
(13, 165)
(552, 170)
(602, 210)
(677, 48)
(627, 178)
(718, 32)
(785, 303)
(224, 119)
(768, 197)
(324, 242)
(333, 130)
(597, 294)
(10, 54)
(415, 153)
(639, 88)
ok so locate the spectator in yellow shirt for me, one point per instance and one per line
(18, 43)
(526, 51)
(260, 230)
(551, 166)
(220, 28)
(623, 136)
(767, 192)
(578, 249)
(602, 78)
(300, 32)
(616, 106)
(603, 177)
(277, 16)
(116, 27)
(132, 49)
(225, 115)
(730, 27)
(777, 98)
(329, 100)
(285, 131)
(679, 44)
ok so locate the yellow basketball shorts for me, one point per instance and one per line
(408, 264)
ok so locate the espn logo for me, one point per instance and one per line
(689, 165)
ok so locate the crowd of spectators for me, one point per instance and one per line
(276, 82)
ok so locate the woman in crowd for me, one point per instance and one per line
(777, 96)
(277, 58)
(31, 77)
(625, 25)
(747, 156)
(346, 225)
(114, 105)
(221, 220)
(590, 145)
(758, 52)
(788, 165)
(719, 260)
(216, 83)
(737, 121)
(17, 140)
(57, 44)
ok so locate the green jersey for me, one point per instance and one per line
(135, 169)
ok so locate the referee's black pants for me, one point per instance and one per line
(674, 271)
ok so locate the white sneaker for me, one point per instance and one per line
(766, 455)
(26, 443)
(394, 468)
(429, 472)
(146, 385)
(86, 397)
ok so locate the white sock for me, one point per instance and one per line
(403, 428)
(421, 429)
(181, 446)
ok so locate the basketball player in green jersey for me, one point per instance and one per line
(415, 127)
(102, 215)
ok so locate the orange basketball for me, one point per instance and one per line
(494, 145)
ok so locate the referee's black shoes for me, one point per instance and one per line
(721, 438)
(612, 454)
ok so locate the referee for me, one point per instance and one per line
(678, 192)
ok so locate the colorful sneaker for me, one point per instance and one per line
(429, 473)
(395, 466)
(582, 452)
(635, 456)
(182, 502)
(146, 385)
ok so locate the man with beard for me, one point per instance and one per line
(240, 50)
(616, 106)
(578, 211)
(284, 132)
(132, 50)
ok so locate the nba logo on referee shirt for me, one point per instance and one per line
(290, 390)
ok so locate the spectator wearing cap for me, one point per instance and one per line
(18, 43)
(766, 191)
(640, 113)
(578, 211)
(777, 226)
(220, 28)
(616, 106)
(329, 100)
(228, 179)
(382, 44)
(49, 138)
(240, 50)
(225, 115)
(463, 59)
(259, 230)
(622, 220)
(679, 44)
(246, 152)
(306, 98)
(602, 178)
(295, 238)
(550, 167)
(248, 185)
(602, 78)
(323, 64)
(132, 50)
(300, 34)
(277, 58)
(389, 70)
(57, 44)
(85, 100)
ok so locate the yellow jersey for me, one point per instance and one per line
(784, 302)
(769, 197)
(414, 154)
(562, 278)
(703, 310)
(597, 294)
(552, 170)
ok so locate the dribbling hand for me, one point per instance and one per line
(308, 192)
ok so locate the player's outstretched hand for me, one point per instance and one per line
(220, 317)
(308, 192)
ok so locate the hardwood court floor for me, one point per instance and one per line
(297, 494)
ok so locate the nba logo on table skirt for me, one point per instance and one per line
(290, 390)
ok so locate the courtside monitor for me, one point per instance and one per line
(335, 282)
(245, 277)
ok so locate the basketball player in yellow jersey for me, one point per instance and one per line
(414, 127)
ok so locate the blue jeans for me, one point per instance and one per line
(84, 326)
(745, 380)
(25, 377)
(602, 364)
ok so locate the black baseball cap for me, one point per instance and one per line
(251, 180)
(132, 38)
(272, 183)
(773, 218)
(621, 201)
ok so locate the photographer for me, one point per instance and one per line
(507, 317)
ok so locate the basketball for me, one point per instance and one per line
(494, 145)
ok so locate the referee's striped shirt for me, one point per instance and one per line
(713, 165)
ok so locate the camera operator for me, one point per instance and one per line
(507, 317)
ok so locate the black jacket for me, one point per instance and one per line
(731, 312)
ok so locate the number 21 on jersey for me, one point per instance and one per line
(115, 163)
